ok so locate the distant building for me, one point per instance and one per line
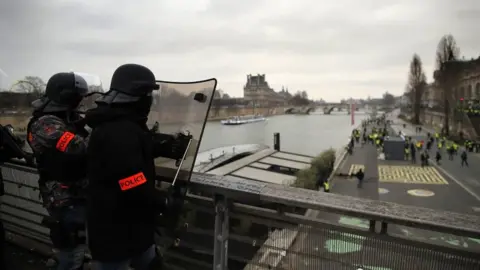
(257, 91)
(468, 78)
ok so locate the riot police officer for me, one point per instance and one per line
(59, 144)
(123, 203)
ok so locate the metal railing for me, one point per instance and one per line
(240, 215)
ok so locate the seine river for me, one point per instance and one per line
(303, 134)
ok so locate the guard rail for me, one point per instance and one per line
(219, 202)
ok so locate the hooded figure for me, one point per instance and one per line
(59, 146)
(123, 203)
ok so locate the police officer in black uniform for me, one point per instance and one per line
(59, 144)
(123, 203)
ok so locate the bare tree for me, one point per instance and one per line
(416, 85)
(30, 84)
(447, 51)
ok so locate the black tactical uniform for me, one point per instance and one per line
(123, 202)
(59, 145)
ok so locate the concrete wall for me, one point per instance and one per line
(436, 120)
(433, 119)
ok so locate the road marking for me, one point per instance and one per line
(467, 189)
(410, 175)
(383, 191)
(355, 167)
(405, 174)
(421, 193)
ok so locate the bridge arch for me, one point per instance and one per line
(289, 110)
(311, 109)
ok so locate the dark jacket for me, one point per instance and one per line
(122, 199)
(59, 148)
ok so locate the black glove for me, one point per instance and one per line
(155, 127)
(180, 144)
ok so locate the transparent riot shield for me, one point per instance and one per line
(95, 90)
(181, 108)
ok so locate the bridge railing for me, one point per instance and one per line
(240, 215)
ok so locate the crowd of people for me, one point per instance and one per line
(442, 145)
(97, 173)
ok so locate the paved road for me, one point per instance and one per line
(468, 178)
(342, 252)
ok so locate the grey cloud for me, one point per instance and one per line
(348, 37)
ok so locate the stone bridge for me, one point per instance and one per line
(327, 108)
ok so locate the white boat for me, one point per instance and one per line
(240, 120)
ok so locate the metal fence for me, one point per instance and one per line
(240, 216)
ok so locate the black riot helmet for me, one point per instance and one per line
(130, 83)
(64, 92)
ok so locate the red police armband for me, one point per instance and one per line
(63, 142)
(132, 181)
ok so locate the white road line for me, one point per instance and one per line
(467, 189)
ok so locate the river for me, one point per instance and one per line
(303, 134)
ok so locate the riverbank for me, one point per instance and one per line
(216, 114)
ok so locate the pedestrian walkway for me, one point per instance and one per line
(466, 177)
(433, 191)
(408, 184)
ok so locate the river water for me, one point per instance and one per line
(302, 134)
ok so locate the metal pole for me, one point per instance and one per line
(276, 141)
(220, 250)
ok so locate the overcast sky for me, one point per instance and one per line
(332, 49)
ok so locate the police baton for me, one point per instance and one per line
(181, 161)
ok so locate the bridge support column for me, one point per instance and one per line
(221, 234)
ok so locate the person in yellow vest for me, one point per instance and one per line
(455, 148)
(326, 186)
(407, 153)
(419, 145)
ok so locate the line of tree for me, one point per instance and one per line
(445, 75)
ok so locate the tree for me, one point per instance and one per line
(304, 95)
(30, 84)
(447, 51)
(300, 99)
(388, 99)
(416, 85)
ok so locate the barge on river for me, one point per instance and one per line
(240, 120)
